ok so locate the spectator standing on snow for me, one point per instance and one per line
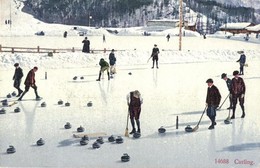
(112, 62)
(104, 38)
(168, 37)
(86, 45)
(155, 56)
(65, 34)
(18, 74)
(242, 61)
(134, 102)
(212, 100)
(228, 82)
(30, 82)
(238, 90)
(104, 66)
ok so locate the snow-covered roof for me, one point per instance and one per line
(241, 25)
(254, 28)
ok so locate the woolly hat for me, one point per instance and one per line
(137, 93)
(16, 64)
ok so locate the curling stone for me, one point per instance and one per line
(119, 140)
(125, 157)
(17, 110)
(137, 135)
(40, 142)
(111, 138)
(96, 145)
(100, 140)
(43, 104)
(4, 102)
(75, 78)
(161, 130)
(188, 128)
(60, 102)
(11, 149)
(83, 142)
(80, 129)
(85, 138)
(67, 125)
(81, 77)
(13, 93)
(9, 95)
(90, 104)
(67, 104)
(130, 73)
(227, 121)
(2, 111)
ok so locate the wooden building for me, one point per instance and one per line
(236, 28)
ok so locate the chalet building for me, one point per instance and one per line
(236, 28)
(254, 29)
(164, 23)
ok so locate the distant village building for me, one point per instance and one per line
(254, 29)
(164, 23)
(236, 28)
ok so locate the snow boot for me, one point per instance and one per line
(22, 96)
(211, 127)
(19, 93)
(133, 131)
(99, 76)
(243, 114)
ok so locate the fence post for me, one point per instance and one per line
(12, 50)
(54, 51)
(73, 49)
(38, 48)
(0, 48)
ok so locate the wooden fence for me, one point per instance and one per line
(38, 49)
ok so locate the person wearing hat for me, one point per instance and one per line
(18, 74)
(86, 44)
(242, 61)
(238, 90)
(228, 81)
(212, 101)
(134, 102)
(112, 62)
(30, 82)
(104, 66)
(154, 55)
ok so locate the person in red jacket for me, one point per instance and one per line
(134, 102)
(30, 82)
(238, 90)
(212, 101)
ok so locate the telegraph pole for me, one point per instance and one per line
(180, 24)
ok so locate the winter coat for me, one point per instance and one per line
(155, 52)
(213, 96)
(112, 59)
(238, 86)
(30, 78)
(242, 59)
(86, 46)
(18, 74)
(229, 84)
(103, 63)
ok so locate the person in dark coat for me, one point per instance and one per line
(104, 66)
(86, 45)
(134, 102)
(154, 55)
(228, 82)
(18, 74)
(242, 61)
(168, 37)
(112, 62)
(238, 89)
(212, 100)
(30, 82)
